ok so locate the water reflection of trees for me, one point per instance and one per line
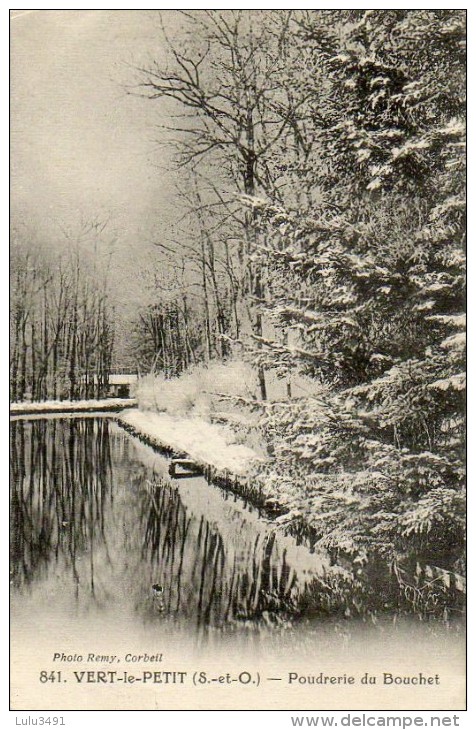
(60, 481)
(83, 504)
(207, 575)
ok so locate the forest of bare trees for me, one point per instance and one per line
(232, 116)
(61, 328)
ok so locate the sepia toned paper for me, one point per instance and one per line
(142, 583)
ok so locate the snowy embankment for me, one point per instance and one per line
(72, 406)
(210, 445)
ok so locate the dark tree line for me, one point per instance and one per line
(61, 325)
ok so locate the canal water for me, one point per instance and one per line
(99, 528)
(103, 538)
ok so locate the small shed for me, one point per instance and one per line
(121, 385)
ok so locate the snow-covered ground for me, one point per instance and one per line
(55, 406)
(209, 444)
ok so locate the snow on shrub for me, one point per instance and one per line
(197, 391)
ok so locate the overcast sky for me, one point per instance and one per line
(80, 146)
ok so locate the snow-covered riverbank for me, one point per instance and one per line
(208, 444)
(68, 406)
(213, 447)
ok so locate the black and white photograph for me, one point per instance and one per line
(238, 359)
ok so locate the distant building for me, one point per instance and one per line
(121, 385)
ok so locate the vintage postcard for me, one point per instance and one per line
(237, 360)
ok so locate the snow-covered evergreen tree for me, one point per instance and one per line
(366, 279)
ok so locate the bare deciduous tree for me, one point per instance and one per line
(231, 114)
